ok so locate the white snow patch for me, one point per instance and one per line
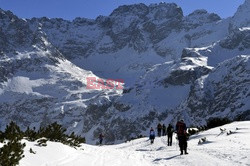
(22, 84)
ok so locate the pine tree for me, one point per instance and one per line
(12, 152)
(12, 132)
(1, 136)
(54, 132)
(31, 134)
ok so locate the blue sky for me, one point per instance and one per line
(69, 9)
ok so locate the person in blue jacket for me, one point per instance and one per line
(152, 135)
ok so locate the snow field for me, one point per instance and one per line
(219, 149)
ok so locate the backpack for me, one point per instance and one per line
(181, 128)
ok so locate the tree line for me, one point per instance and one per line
(12, 150)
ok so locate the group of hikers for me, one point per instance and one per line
(163, 131)
(180, 131)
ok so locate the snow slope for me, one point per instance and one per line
(220, 149)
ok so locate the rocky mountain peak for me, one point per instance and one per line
(6, 14)
(244, 7)
(14, 32)
(83, 21)
(201, 14)
(156, 11)
(241, 17)
(136, 9)
(165, 11)
(200, 17)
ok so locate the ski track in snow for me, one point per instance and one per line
(220, 149)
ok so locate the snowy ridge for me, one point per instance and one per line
(28, 92)
(222, 93)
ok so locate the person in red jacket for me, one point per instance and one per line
(182, 136)
(159, 128)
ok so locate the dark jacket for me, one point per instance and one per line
(163, 127)
(101, 136)
(170, 129)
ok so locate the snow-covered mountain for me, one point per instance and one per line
(133, 38)
(219, 149)
(174, 66)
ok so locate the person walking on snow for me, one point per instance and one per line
(152, 135)
(159, 128)
(101, 138)
(182, 136)
(163, 130)
(170, 131)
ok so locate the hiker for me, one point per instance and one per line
(152, 135)
(163, 130)
(182, 136)
(170, 131)
(101, 138)
(159, 128)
